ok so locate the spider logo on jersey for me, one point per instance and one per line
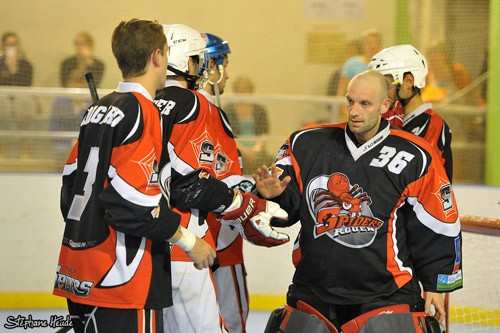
(341, 211)
(210, 154)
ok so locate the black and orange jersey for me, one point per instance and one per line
(427, 124)
(114, 247)
(374, 217)
(200, 137)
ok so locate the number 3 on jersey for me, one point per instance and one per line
(397, 160)
(80, 201)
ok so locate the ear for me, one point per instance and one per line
(212, 65)
(156, 57)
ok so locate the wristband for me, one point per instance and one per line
(186, 241)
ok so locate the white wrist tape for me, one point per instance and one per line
(187, 240)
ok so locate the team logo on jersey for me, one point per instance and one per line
(149, 167)
(445, 195)
(342, 211)
(210, 154)
(72, 285)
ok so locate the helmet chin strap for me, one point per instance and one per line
(190, 79)
(404, 101)
(215, 85)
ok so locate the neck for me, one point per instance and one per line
(414, 103)
(180, 80)
(146, 81)
(209, 89)
(363, 137)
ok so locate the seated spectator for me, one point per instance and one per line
(371, 43)
(73, 68)
(250, 123)
(15, 69)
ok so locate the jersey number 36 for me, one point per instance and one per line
(395, 161)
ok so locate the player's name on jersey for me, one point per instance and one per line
(103, 115)
(164, 106)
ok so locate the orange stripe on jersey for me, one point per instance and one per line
(434, 129)
(400, 276)
(153, 321)
(73, 154)
(433, 133)
(71, 163)
(140, 321)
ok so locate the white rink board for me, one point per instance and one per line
(32, 231)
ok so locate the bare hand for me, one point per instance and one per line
(436, 300)
(268, 183)
(202, 254)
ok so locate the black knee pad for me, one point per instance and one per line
(290, 320)
(401, 322)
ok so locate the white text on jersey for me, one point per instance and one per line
(103, 115)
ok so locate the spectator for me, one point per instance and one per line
(352, 49)
(250, 123)
(73, 68)
(371, 43)
(15, 69)
(446, 78)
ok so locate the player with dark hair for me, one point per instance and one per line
(406, 70)
(378, 217)
(204, 182)
(114, 263)
(230, 276)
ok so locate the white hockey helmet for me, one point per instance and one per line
(400, 59)
(184, 42)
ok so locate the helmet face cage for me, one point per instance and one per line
(399, 60)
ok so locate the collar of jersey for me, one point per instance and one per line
(127, 87)
(417, 112)
(173, 83)
(205, 93)
(357, 152)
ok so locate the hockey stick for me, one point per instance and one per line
(89, 77)
(95, 98)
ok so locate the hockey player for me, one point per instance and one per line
(406, 69)
(215, 72)
(352, 186)
(230, 276)
(202, 180)
(114, 265)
